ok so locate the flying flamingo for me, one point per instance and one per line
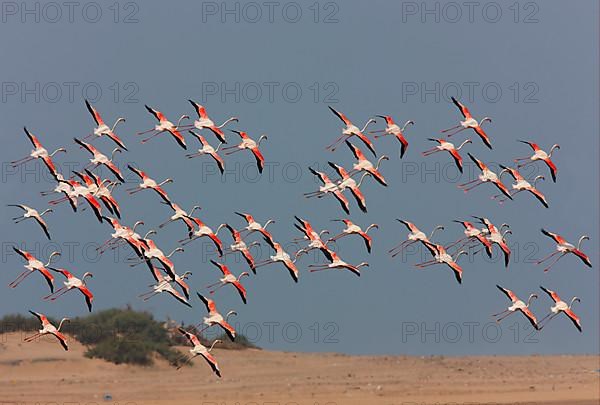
(164, 125)
(153, 252)
(71, 283)
(98, 189)
(365, 165)
(148, 182)
(450, 148)
(561, 306)
(240, 246)
(517, 305)
(215, 318)
(539, 154)
(204, 230)
(124, 233)
(442, 257)
(281, 256)
(49, 329)
(181, 215)
(32, 213)
(337, 263)
(34, 265)
(328, 187)
(495, 235)
(487, 175)
(207, 149)
(100, 159)
(352, 130)
(163, 285)
(251, 145)
(563, 248)
(522, 185)
(469, 122)
(347, 181)
(254, 226)
(79, 190)
(229, 278)
(39, 153)
(200, 350)
(314, 238)
(415, 235)
(65, 189)
(352, 228)
(393, 129)
(102, 129)
(204, 122)
(472, 232)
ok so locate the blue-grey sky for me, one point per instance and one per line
(531, 66)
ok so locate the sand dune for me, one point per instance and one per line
(42, 372)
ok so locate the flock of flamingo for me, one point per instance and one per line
(479, 233)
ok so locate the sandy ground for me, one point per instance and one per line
(41, 372)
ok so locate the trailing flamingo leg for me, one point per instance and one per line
(19, 162)
(338, 140)
(549, 317)
(451, 128)
(212, 285)
(501, 313)
(145, 132)
(21, 277)
(554, 262)
(49, 296)
(472, 187)
(187, 360)
(32, 337)
(547, 257)
(430, 151)
(152, 136)
(213, 291)
(505, 316)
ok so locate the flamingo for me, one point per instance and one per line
(240, 246)
(79, 190)
(365, 165)
(100, 159)
(153, 252)
(563, 248)
(251, 145)
(314, 237)
(472, 232)
(97, 188)
(254, 226)
(204, 122)
(283, 257)
(337, 263)
(181, 215)
(204, 230)
(201, 350)
(328, 187)
(450, 148)
(229, 278)
(487, 175)
(352, 228)
(71, 283)
(442, 257)
(148, 182)
(469, 122)
(124, 233)
(522, 185)
(215, 318)
(393, 129)
(352, 130)
(561, 306)
(65, 189)
(39, 153)
(49, 329)
(32, 213)
(415, 235)
(102, 129)
(163, 285)
(517, 305)
(347, 181)
(539, 154)
(33, 265)
(207, 149)
(164, 125)
(495, 235)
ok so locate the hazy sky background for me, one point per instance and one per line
(378, 58)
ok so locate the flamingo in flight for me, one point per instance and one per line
(32, 213)
(314, 238)
(254, 226)
(148, 182)
(204, 122)
(79, 190)
(229, 278)
(450, 148)
(469, 122)
(539, 154)
(98, 189)
(495, 235)
(72, 283)
(347, 181)
(215, 318)
(100, 159)
(337, 263)
(283, 257)
(163, 285)
(39, 152)
(472, 233)
(328, 187)
(207, 149)
(415, 235)
(151, 251)
(164, 125)
(365, 165)
(181, 215)
(487, 175)
(443, 257)
(522, 185)
(102, 129)
(33, 265)
(200, 350)
(560, 306)
(65, 189)
(517, 305)
(563, 248)
(353, 229)
(49, 329)
(124, 233)
(251, 145)
(205, 230)
(352, 130)
(240, 246)
(393, 129)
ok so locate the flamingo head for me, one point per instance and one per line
(575, 299)
(584, 237)
(51, 257)
(484, 119)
